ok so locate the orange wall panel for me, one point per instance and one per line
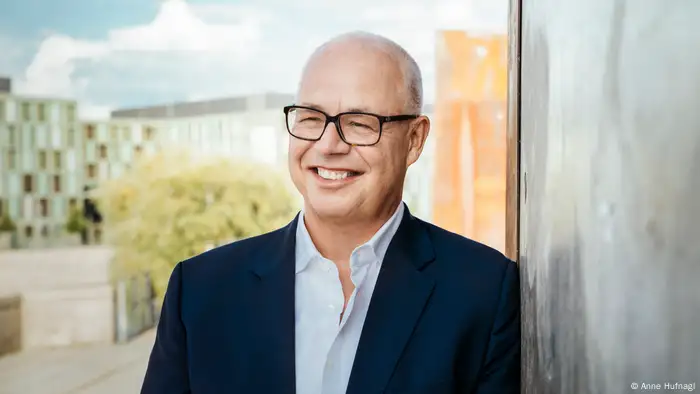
(470, 113)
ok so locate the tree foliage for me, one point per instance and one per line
(76, 223)
(6, 223)
(172, 206)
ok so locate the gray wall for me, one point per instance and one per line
(610, 194)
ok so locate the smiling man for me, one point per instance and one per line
(355, 295)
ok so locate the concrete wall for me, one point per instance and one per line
(66, 294)
(10, 324)
(610, 195)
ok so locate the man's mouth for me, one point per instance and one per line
(335, 175)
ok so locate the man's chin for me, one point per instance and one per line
(332, 208)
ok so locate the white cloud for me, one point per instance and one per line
(212, 50)
(176, 28)
(50, 73)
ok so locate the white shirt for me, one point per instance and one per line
(325, 346)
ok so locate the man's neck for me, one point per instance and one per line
(336, 240)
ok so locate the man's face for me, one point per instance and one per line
(350, 78)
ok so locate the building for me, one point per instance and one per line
(48, 159)
(110, 147)
(40, 166)
(470, 133)
(251, 127)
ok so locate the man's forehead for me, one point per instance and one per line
(350, 96)
(344, 80)
(343, 107)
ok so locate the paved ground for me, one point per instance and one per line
(103, 369)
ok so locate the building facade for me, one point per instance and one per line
(470, 133)
(251, 127)
(110, 147)
(40, 166)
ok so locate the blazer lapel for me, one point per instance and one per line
(397, 303)
(271, 315)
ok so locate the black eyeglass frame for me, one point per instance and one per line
(336, 121)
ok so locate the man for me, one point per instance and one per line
(355, 295)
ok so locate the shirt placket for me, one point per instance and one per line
(331, 371)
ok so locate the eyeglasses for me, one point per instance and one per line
(354, 128)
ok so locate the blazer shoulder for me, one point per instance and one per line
(453, 247)
(235, 255)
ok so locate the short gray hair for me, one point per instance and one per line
(410, 71)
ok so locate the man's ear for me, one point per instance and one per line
(417, 135)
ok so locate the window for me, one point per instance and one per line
(56, 137)
(70, 112)
(57, 160)
(27, 207)
(148, 134)
(57, 208)
(55, 113)
(44, 207)
(27, 136)
(11, 159)
(41, 136)
(42, 183)
(44, 231)
(69, 183)
(28, 231)
(137, 150)
(103, 152)
(57, 183)
(91, 171)
(114, 133)
(70, 160)
(42, 160)
(89, 132)
(28, 184)
(126, 133)
(10, 111)
(26, 115)
(12, 135)
(70, 137)
(72, 203)
(42, 112)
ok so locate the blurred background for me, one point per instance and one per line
(135, 134)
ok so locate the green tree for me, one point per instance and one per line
(172, 206)
(6, 223)
(76, 223)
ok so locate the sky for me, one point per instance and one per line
(110, 54)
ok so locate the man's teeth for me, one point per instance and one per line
(333, 175)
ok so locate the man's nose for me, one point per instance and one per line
(331, 143)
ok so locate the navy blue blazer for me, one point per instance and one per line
(444, 318)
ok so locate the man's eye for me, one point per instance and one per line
(358, 124)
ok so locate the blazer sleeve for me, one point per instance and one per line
(501, 371)
(167, 366)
